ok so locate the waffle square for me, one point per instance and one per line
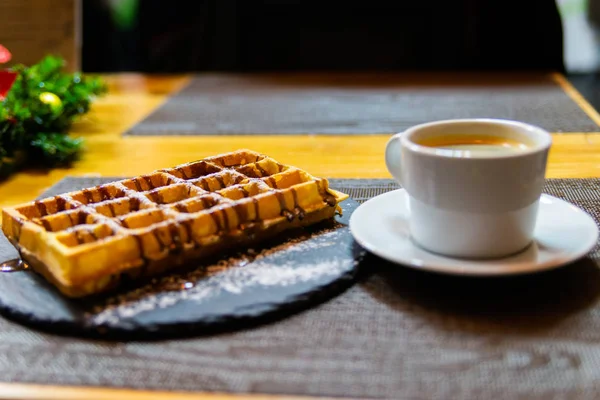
(86, 242)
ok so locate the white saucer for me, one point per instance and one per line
(563, 234)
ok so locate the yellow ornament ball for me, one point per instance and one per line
(52, 100)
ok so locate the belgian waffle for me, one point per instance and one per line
(85, 242)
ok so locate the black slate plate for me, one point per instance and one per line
(286, 275)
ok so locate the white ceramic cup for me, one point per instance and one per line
(475, 206)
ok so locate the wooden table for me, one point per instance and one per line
(133, 96)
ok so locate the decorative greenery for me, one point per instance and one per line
(37, 113)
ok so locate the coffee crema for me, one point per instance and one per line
(477, 145)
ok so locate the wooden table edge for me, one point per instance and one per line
(19, 391)
(576, 96)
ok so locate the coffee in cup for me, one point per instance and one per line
(473, 185)
(475, 145)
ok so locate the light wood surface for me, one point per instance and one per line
(134, 96)
(45, 392)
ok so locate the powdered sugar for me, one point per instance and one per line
(279, 266)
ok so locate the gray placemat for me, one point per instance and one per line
(349, 104)
(398, 334)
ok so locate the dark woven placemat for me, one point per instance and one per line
(348, 104)
(399, 333)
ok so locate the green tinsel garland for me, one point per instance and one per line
(37, 113)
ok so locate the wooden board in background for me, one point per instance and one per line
(31, 29)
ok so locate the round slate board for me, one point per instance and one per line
(259, 285)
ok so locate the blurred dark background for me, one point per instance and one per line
(252, 35)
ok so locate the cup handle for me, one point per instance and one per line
(393, 150)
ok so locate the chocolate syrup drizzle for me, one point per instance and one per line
(284, 211)
(46, 225)
(104, 194)
(148, 180)
(13, 265)
(219, 179)
(300, 213)
(41, 207)
(176, 243)
(138, 187)
(61, 203)
(89, 196)
(261, 170)
(112, 210)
